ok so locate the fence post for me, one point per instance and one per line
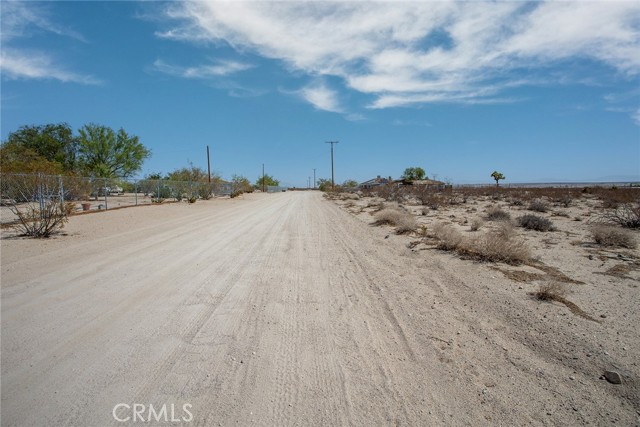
(40, 196)
(158, 193)
(135, 189)
(104, 182)
(61, 190)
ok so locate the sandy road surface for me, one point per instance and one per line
(272, 310)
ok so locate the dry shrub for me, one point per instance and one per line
(405, 222)
(494, 213)
(349, 204)
(551, 291)
(449, 238)
(495, 246)
(499, 245)
(349, 196)
(626, 215)
(612, 236)
(538, 205)
(40, 221)
(476, 223)
(535, 222)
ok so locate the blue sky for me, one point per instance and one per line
(539, 91)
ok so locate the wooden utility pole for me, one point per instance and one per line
(208, 165)
(332, 182)
(314, 178)
(263, 177)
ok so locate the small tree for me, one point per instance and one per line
(241, 184)
(54, 143)
(414, 173)
(324, 184)
(350, 184)
(497, 176)
(268, 181)
(104, 153)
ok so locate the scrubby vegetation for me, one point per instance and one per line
(500, 245)
(403, 221)
(40, 220)
(613, 236)
(538, 205)
(535, 222)
(494, 213)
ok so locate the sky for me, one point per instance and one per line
(540, 91)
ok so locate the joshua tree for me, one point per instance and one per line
(497, 176)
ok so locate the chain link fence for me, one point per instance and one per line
(77, 194)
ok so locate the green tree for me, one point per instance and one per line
(241, 184)
(191, 173)
(268, 181)
(414, 173)
(497, 176)
(324, 184)
(106, 154)
(350, 184)
(18, 159)
(45, 147)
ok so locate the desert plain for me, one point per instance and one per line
(298, 309)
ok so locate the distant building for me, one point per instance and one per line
(428, 183)
(375, 182)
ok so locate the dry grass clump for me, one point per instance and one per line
(494, 213)
(612, 236)
(538, 205)
(449, 238)
(349, 196)
(476, 223)
(535, 222)
(496, 246)
(405, 222)
(501, 245)
(551, 291)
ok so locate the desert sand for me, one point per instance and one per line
(290, 309)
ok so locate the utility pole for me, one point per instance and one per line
(314, 178)
(309, 183)
(208, 165)
(332, 142)
(263, 177)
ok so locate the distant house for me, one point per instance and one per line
(373, 183)
(427, 183)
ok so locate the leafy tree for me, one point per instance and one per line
(45, 148)
(324, 184)
(350, 183)
(268, 181)
(153, 175)
(191, 173)
(414, 173)
(241, 184)
(497, 176)
(106, 154)
(18, 159)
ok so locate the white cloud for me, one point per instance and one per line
(636, 116)
(220, 68)
(20, 20)
(321, 97)
(419, 52)
(18, 64)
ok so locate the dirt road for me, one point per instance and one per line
(272, 310)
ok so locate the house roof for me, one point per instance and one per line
(421, 182)
(376, 180)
